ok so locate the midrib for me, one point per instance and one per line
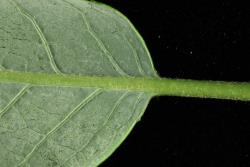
(154, 86)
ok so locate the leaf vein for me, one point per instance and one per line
(40, 34)
(137, 58)
(14, 100)
(83, 103)
(117, 103)
(135, 31)
(111, 59)
(130, 119)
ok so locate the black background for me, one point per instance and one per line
(205, 40)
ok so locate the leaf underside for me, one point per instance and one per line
(45, 126)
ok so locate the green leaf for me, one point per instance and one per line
(54, 125)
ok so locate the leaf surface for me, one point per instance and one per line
(56, 126)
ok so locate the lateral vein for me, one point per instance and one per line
(14, 100)
(99, 41)
(40, 33)
(84, 102)
(117, 103)
(136, 32)
(136, 56)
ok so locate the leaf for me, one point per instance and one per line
(67, 126)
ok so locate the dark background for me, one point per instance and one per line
(205, 40)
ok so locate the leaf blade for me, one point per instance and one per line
(47, 124)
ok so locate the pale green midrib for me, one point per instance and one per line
(155, 86)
